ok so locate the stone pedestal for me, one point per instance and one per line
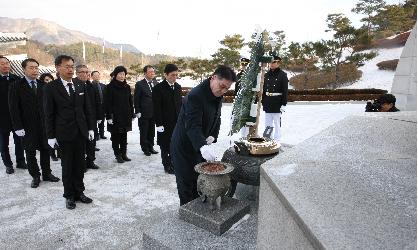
(172, 233)
(215, 221)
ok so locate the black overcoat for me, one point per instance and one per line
(5, 120)
(119, 106)
(26, 111)
(199, 118)
(167, 104)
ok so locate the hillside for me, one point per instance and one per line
(373, 77)
(48, 32)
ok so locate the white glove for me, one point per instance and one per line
(99, 121)
(210, 140)
(138, 115)
(282, 109)
(52, 142)
(207, 153)
(20, 132)
(160, 129)
(110, 121)
(91, 135)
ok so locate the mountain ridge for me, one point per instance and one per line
(49, 32)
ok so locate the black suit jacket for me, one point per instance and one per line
(143, 99)
(26, 111)
(5, 120)
(167, 104)
(65, 117)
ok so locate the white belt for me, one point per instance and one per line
(273, 94)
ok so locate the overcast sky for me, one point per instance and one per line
(184, 27)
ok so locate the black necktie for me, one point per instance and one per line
(33, 83)
(70, 87)
(150, 86)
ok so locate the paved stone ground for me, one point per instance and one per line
(128, 198)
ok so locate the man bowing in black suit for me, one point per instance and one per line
(69, 122)
(144, 110)
(27, 114)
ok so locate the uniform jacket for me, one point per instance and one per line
(275, 81)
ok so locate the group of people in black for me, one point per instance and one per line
(67, 115)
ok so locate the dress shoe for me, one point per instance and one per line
(92, 166)
(83, 199)
(35, 182)
(9, 170)
(96, 149)
(147, 153)
(50, 177)
(22, 165)
(103, 137)
(70, 203)
(152, 151)
(119, 159)
(125, 158)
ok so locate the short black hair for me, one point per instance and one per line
(117, 70)
(387, 98)
(170, 68)
(25, 62)
(147, 67)
(42, 77)
(5, 58)
(225, 72)
(62, 58)
(94, 71)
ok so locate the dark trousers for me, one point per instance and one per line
(90, 152)
(166, 157)
(146, 133)
(119, 142)
(186, 188)
(32, 162)
(4, 149)
(100, 129)
(73, 165)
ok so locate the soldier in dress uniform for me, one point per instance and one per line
(243, 65)
(275, 96)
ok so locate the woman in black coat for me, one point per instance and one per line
(119, 112)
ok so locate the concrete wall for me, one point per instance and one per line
(404, 85)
